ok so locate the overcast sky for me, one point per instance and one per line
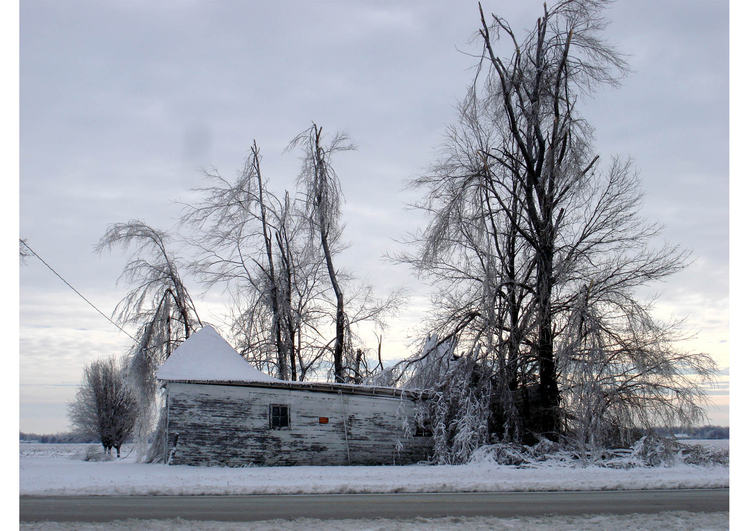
(122, 103)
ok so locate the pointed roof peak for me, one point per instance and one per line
(206, 356)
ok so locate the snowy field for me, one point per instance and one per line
(59, 469)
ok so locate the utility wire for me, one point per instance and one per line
(71, 287)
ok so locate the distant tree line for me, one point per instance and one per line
(59, 438)
(695, 432)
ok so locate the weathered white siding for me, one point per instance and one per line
(229, 425)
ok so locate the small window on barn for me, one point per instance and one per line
(278, 416)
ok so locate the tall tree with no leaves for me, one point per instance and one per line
(275, 257)
(254, 245)
(540, 252)
(323, 199)
(548, 151)
(234, 228)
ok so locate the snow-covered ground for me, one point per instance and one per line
(59, 470)
(667, 521)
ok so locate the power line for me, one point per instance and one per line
(71, 287)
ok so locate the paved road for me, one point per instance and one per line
(339, 506)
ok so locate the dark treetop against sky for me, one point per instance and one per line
(121, 104)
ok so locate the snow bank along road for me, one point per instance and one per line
(368, 506)
(666, 521)
(51, 472)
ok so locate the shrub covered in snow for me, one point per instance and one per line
(649, 451)
(702, 455)
(95, 453)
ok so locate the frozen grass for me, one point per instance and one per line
(666, 521)
(48, 469)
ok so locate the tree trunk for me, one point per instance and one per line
(281, 351)
(549, 392)
(338, 346)
(321, 176)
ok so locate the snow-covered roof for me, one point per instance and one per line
(206, 356)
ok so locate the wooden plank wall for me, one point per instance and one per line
(229, 426)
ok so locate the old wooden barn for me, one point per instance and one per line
(222, 411)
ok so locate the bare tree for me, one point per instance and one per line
(620, 368)
(323, 198)
(270, 253)
(548, 151)
(524, 223)
(255, 245)
(158, 304)
(234, 225)
(105, 407)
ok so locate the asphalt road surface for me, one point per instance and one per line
(341, 506)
